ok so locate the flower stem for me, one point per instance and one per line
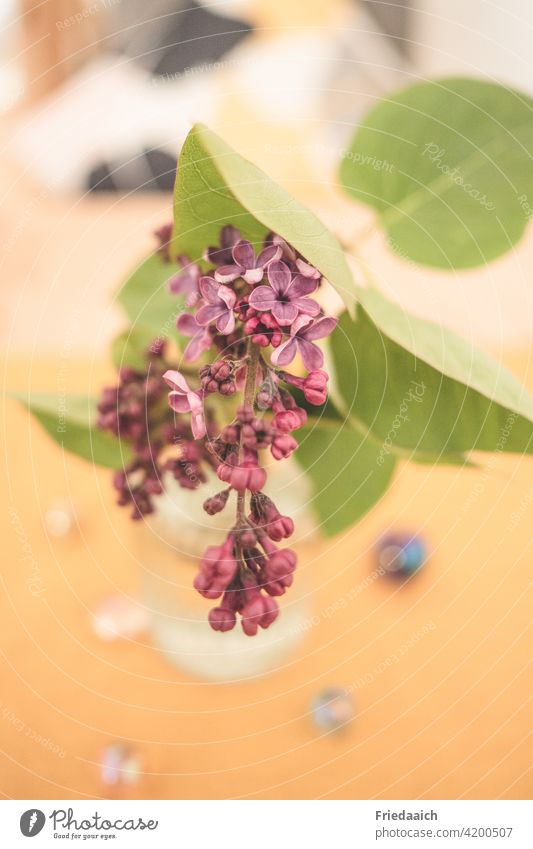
(248, 401)
(251, 374)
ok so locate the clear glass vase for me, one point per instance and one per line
(173, 540)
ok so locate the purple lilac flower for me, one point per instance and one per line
(132, 411)
(287, 252)
(286, 295)
(163, 235)
(246, 264)
(219, 307)
(303, 333)
(229, 236)
(186, 281)
(200, 336)
(308, 270)
(182, 399)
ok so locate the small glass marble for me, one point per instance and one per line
(119, 765)
(401, 553)
(332, 709)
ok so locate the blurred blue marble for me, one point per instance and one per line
(401, 553)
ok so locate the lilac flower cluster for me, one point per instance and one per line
(137, 411)
(247, 307)
(245, 304)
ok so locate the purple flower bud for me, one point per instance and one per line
(221, 255)
(266, 516)
(216, 503)
(222, 619)
(287, 421)
(257, 434)
(245, 414)
(316, 387)
(248, 538)
(252, 613)
(282, 446)
(281, 563)
(227, 387)
(242, 476)
(218, 377)
(280, 528)
(163, 234)
(221, 370)
(217, 569)
(258, 611)
(230, 434)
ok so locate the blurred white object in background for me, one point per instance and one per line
(327, 71)
(119, 765)
(59, 518)
(118, 616)
(479, 38)
(110, 108)
(11, 75)
(288, 96)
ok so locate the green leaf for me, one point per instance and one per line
(146, 300)
(129, 347)
(418, 386)
(345, 468)
(70, 421)
(328, 416)
(447, 167)
(216, 186)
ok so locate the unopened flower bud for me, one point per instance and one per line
(227, 387)
(248, 538)
(216, 503)
(222, 619)
(282, 446)
(315, 387)
(245, 414)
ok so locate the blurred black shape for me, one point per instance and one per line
(152, 171)
(198, 37)
(167, 37)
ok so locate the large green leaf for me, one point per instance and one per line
(346, 470)
(447, 166)
(146, 300)
(329, 418)
(217, 186)
(418, 386)
(70, 421)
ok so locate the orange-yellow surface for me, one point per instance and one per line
(438, 667)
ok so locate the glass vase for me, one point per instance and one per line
(173, 540)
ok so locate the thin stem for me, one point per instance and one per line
(248, 401)
(254, 354)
